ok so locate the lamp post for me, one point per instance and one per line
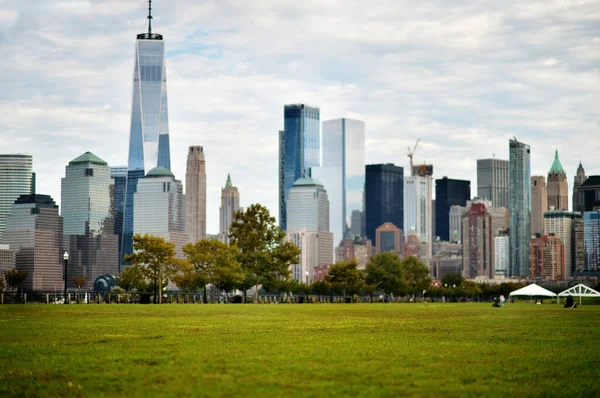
(307, 286)
(66, 259)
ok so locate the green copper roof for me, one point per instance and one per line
(160, 172)
(228, 184)
(307, 182)
(556, 166)
(88, 157)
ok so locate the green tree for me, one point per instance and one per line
(346, 274)
(416, 274)
(156, 259)
(321, 287)
(14, 278)
(2, 283)
(452, 279)
(216, 263)
(262, 253)
(130, 278)
(387, 273)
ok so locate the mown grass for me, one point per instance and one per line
(299, 350)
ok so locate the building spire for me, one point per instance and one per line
(149, 17)
(228, 183)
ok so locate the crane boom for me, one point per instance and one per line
(411, 153)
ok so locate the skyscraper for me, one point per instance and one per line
(492, 181)
(384, 197)
(448, 193)
(580, 177)
(195, 185)
(230, 204)
(119, 176)
(389, 239)
(589, 193)
(547, 258)
(356, 223)
(16, 179)
(35, 231)
(342, 170)
(149, 134)
(418, 210)
(558, 188)
(88, 223)
(520, 207)
(501, 255)
(564, 224)
(539, 204)
(299, 150)
(478, 243)
(591, 227)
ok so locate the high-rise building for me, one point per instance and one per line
(388, 239)
(119, 176)
(354, 249)
(384, 197)
(589, 192)
(342, 171)
(564, 224)
(501, 255)
(195, 185)
(558, 188)
(8, 259)
(35, 231)
(547, 255)
(159, 208)
(448, 193)
(456, 216)
(446, 259)
(580, 177)
(418, 210)
(492, 181)
(88, 223)
(149, 134)
(299, 150)
(539, 204)
(520, 207)
(356, 224)
(591, 228)
(16, 179)
(230, 204)
(478, 243)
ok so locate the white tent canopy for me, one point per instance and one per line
(533, 290)
(580, 290)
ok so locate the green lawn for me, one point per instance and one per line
(299, 350)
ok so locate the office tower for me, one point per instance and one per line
(35, 231)
(455, 227)
(478, 243)
(520, 207)
(308, 226)
(119, 176)
(88, 223)
(16, 179)
(159, 208)
(492, 181)
(418, 210)
(539, 204)
(563, 224)
(354, 249)
(230, 204)
(501, 255)
(8, 259)
(580, 178)
(342, 171)
(448, 193)
(577, 246)
(299, 150)
(433, 220)
(589, 193)
(558, 188)
(447, 258)
(388, 239)
(591, 233)
(356, 224)
(547, 255)
(384, 197)
(149, 134)
(195, 185)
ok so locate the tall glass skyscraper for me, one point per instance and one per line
(299, 149)
(384, 197)
(149, 134)
(448, 193)
(520, 207)
(16, 179)
(342, 171)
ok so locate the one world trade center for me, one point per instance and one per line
(149, 135)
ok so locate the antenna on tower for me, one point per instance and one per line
(149, 17)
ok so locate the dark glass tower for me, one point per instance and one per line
(119, 176)
(384, 197)
(149, 134)
(449, 193)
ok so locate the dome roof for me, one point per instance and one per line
(307, 182)
(88, 157)
(159, 172)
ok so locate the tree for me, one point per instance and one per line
(417, 275)
(130, 278)
(262, 253)
(452, 279)
(216, 263)
(387, 273)
(156, 259)
(14, 278)
(347, 274)
(79, 281)
(2, 283)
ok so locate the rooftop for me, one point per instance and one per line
(159, 172)
(88, 157)
(556, 166)
(307, 182)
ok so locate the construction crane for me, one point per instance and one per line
(411, 153)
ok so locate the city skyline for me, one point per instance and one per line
(55, 118)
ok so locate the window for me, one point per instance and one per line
(89, 172)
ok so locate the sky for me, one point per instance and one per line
(463, 76)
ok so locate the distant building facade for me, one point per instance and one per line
(539, 204)
(418, 210)
(230, 204)
(119, 176)
(547, 255)
(384, 197)
(565, 224)
(195, 185)
(520, 207)
(356, 228)
(501, 255)
(578, 201)
(591, 225)
(492, 181)
(590, 193)
(558, 188)
(448, 193)
(16, 179)
(388, 239)
(354, 249)
(478, 243)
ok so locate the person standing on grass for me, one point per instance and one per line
(502, 300)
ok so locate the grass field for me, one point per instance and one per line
(299, 350)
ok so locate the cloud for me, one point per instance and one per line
(463, 76)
